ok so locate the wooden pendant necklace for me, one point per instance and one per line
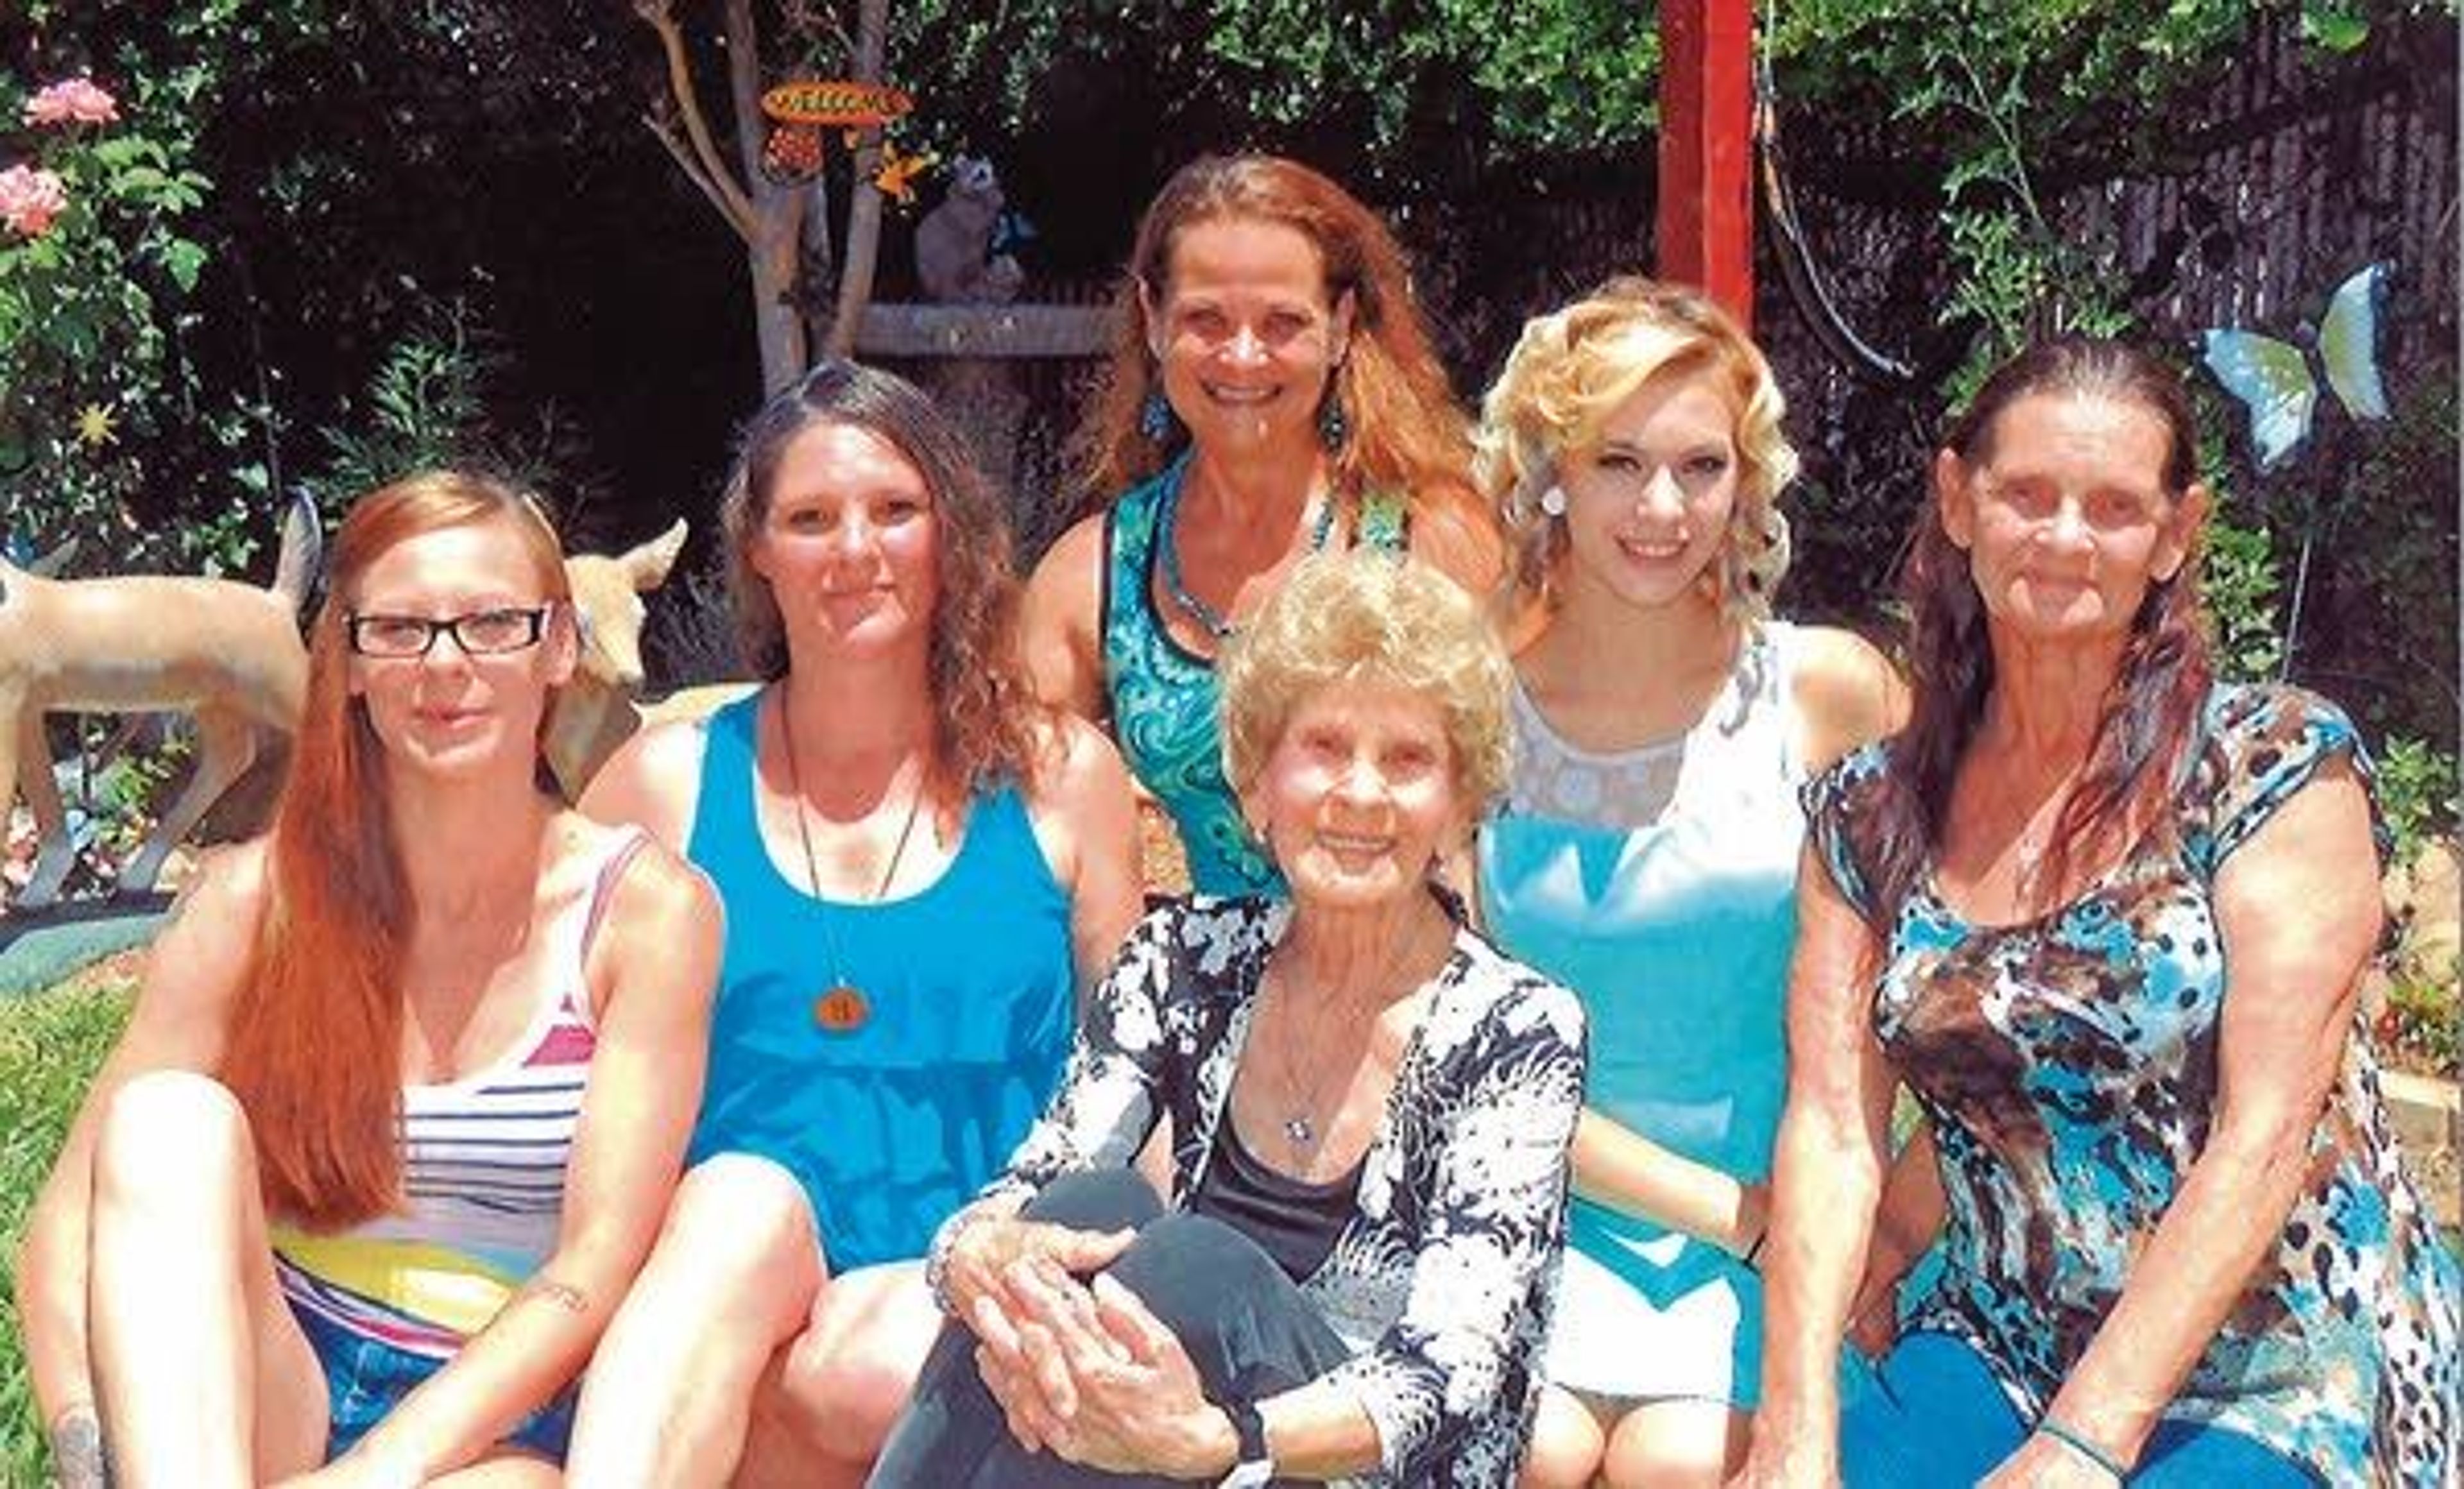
(842, 1008)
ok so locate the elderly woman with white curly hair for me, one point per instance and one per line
(1369, 1109)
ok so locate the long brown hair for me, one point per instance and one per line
(315, 1053)
(986, 710)
(1407, 435)
(2149, 717)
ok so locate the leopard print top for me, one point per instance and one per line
(2069, 1066)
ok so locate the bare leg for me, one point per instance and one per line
(204, 1376)
(1566, 1443)
(1678, 1443)
(669, 1391)
(825, 1415)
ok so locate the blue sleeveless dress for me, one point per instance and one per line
(1166, 700)
(1676, 934)
(894, 1124)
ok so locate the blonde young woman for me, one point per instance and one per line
(1646, 853)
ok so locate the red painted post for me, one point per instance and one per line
(1706, 156)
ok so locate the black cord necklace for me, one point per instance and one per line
(842, 1008)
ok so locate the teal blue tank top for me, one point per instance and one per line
(1166, 701)
(891, 1125)
(1676, 932)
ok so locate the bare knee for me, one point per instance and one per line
(1566, 1444)
(739, 1236)
(169, 1134)
(848, 1375)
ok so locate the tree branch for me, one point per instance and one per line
(682, 154)
(715, 178)
(864, 200)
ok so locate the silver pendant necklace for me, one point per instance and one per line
(1299, 1125)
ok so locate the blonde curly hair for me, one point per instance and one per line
(1364, 615)
(1571, 370)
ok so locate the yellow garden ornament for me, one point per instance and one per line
(95, 427)
(898, 171)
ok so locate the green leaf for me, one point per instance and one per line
(183, 262)
(2334, 27)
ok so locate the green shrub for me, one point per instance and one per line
(2416, 792)
(2418, 1026)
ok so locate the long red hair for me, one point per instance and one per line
(1407, 434)
(314, 1050)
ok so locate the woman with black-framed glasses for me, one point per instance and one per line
(409, 1080)
(479, 633)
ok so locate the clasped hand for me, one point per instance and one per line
(1086, 1372)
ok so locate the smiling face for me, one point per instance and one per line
(1244, 333)
(1359, 795)
(448, 711)
(849, 543)
(1648, 503)
(2066, 519)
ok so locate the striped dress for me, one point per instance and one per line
(483, 1175)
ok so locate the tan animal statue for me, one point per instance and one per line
(594, 713)
(227, 652)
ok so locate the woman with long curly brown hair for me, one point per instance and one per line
(2106, 919)
(921, 864)
(1271, 392)
(408, 1080)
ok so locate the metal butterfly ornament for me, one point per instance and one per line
(2272, 378)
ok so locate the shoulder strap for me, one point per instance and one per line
(603, 886)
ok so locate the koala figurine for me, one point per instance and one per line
(953, 257)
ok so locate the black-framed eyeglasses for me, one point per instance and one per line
(481, 633)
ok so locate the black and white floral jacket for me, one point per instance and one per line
(1443, 1280)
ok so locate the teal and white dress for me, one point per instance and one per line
(1166, 699)
(1660, 883)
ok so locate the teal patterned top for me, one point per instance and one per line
(1165, 697)
(2069, 1066)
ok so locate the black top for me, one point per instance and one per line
(1294, 1221)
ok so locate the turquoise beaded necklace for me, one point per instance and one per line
(1168, 524)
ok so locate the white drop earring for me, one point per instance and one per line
(1552, 501)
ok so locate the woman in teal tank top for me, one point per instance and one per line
(921, 865)
(1646, 855)
(1272, 393)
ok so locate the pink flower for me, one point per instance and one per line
(29, 199)
(74, 100)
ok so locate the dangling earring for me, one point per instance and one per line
(1155, 418)
(1552, 501)
(1334, 428)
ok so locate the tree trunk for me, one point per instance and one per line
(863, 198)
(777, 213)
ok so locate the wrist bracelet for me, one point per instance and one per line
(1755, 1251)
(936, 1261)
(2071, 1439)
